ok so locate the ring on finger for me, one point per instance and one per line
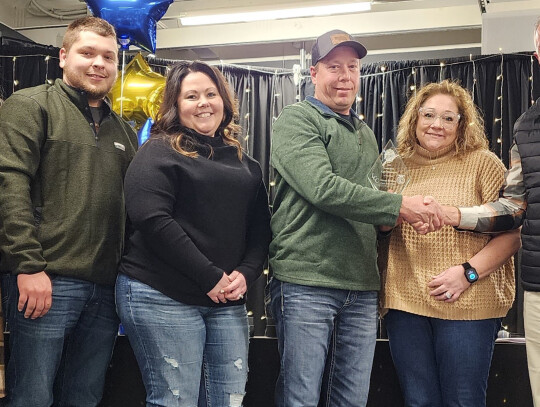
(448, 295)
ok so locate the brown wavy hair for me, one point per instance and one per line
(168, 123)
(470, 131)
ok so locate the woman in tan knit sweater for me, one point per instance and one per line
(441, 323)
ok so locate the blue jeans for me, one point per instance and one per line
(188, 355)
(323, 332)
(62, 357)
(441, 362)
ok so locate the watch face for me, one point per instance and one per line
(471, 275)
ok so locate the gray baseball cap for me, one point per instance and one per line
(332, 39)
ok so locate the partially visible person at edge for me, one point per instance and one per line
(323, 253)
(446, 292)
(199, 209)
(2, 311)
(518, 204)
(64, 157)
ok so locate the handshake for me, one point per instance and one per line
(426, 215)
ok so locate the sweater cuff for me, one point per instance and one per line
(210, 279)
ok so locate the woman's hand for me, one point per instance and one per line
(218, 293)
(448, 285)
(237, 288)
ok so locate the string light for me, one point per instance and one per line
(499, 140)
(247, 116)
(358, 101)
(413, 73)
(474, 78)
(441, 65)
(47, 80)
(384, 136)
(15, 81)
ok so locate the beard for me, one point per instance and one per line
(79, 80)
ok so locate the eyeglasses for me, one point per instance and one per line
(449, 120)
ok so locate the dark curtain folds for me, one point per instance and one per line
(503, 87)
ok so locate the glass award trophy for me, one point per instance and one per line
(389, 173)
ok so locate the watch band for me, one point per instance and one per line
(467, 266)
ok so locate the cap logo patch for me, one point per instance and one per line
(339, 38)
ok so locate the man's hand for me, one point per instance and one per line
(35, 291)
(424, 214)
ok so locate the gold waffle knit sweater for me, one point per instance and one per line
(470, 179)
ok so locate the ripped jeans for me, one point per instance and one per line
(188, 355)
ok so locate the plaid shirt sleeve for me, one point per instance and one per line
(507, 212)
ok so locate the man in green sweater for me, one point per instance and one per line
(64, 154)
(323, 253)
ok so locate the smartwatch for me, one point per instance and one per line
(470, 273)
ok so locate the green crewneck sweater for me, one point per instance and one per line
(324, 209)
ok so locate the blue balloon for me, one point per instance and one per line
(144, 132)
(135, 20)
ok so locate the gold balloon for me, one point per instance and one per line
(141, 95)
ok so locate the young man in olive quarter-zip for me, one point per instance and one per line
(323, 253)
(64, 154)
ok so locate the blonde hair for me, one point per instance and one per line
(470, 130)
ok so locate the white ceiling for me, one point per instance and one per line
(393, 29)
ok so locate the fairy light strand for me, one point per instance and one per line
(474, 85)
(441, 66)
(248, 113)
(380, 115)
(15, 81)
(501, 78)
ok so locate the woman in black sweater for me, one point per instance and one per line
(200, 217)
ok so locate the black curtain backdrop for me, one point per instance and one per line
(503, 87)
